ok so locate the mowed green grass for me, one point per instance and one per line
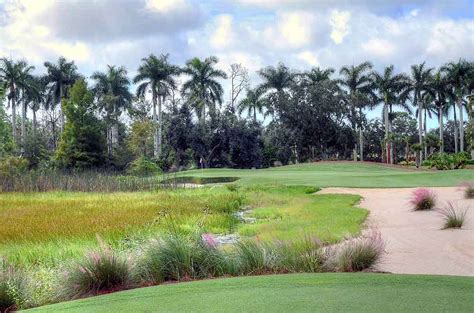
(329, 292)
(342, 174)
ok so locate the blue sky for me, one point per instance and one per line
(256, 33)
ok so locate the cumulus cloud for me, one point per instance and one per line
(339, 22)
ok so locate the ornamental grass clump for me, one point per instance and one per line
(468, 190)
(356, 255)
(100, 271)
(423, 199)
(453, 216)
(13, 288)
(299, 257)
(255, 258)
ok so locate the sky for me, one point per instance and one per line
(255, 33)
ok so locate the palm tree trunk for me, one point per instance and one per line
(461, 127)
(385, 116)
(420, 124)
(160, 126)
(456, 148)
(115, 129)
(390, 134)
(35, 124)
(61, 111)
(23, 127)
(13, 119)
(255, 114)
(155, 125)
(471, 122)
(440, 121)
(424, 134)
(361, 144)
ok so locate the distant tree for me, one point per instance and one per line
(253, 103)
(6, 142)
(203, 88)
(239, 81)
(157, 75)
(392, 90)
(140, 140)
(276, 80)
(82, 143)
(317, 75)
(420, 82)
(458, 76)
(359, 84)
(112, 92)
(59, 78)
(180, 134)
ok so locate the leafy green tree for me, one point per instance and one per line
(157, 75)
(112, 92)
(82, 142)
(203, 88)
(59, 78)
(6, 142)
(357, 80)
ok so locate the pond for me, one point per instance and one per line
(199, 180)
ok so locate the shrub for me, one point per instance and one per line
(99, 272)
(13, 288)
(13, 167)
(177, 257)
(468, 190)
(453, 217)
(356, 255)
(143, 166)
(446, 161)
(423, 199)
(407, 163)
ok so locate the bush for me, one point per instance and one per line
(356, 255)
(445, 161)
(177, 257)
(13, 288)
(453, 217)
(423, 199)
(407, 163)
(99, 272)
(468, 190)
(143, 167)
(13, 167)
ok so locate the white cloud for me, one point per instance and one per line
(378, 47)
(339, 22)
(294, 28)
(164, 6)
(222, 35)
(309, 57)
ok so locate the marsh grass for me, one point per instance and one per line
(13, 288)
(453, 216)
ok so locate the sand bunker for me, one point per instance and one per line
(415, 242)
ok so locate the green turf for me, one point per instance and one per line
(330, 292)
(344, 174)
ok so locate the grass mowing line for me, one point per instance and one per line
(329, 292)
(344, 174)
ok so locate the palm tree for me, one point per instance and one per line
(359, 84)
(112, 92)
(33, 97)
(391, 89)
(61, 76)
(202, 88)
(276, 80)
(317, 75)
(458, 76)
(17, 78)
(253, 102)
(157, 75)
(420, 82)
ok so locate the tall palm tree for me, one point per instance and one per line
(458, 76)
(60, 77)
(420, 82)
(158, 76)
(34, 97)
(276, 80)
(112, 92)
(391, 89)
(203, 87)
(359, 84)
(253, 102)
(439, 94)
(17, 78)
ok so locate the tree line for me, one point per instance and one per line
(178, 116)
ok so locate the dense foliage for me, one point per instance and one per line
(178, 118)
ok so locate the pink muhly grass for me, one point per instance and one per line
(423, 199)
(209, 240)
